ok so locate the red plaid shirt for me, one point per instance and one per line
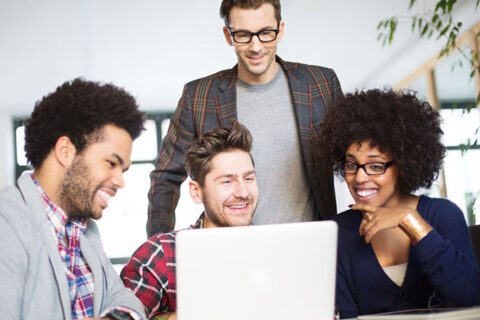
(67, 234)
(78, 273)
(150, 273)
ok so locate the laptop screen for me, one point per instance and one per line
(283, 271)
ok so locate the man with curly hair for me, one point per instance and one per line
(224, 181)
(396, 250)
(281, 103)
(78, 140)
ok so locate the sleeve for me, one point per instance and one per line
(337, 92)
(169, 172)
(447, 259)
(146, 275)
(133, 315)
(116, 295)
(344, 301)
(13, 271)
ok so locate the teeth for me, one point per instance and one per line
(238, 207)
(104, 195)
(366, 193)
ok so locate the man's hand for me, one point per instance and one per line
(166, 316)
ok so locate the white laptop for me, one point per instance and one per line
(283, 271)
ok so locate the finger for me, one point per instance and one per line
(362, 226)
(371, 224)
(372, 232)
(367, 215)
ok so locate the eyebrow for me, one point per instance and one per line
(120, 160)
(372, 156)
(232, 175)
(249, 173)
(263, 28)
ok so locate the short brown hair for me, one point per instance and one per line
(227, 5)
(200, 154)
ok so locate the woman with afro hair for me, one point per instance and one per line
(396, 250)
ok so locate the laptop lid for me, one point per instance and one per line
(282, 271)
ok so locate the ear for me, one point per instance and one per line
(280, 31)
(196, 192)
(65, 151)
(228, 38)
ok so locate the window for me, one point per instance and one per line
(456, 94)
(446, 84)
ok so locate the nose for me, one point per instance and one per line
(255, 44)
(361, 176)
(241, 190)
(117, 179)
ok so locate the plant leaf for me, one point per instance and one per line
(425, 29)
(414, 22)
(444, 30)
(393, 28)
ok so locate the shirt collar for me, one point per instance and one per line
(199, 223)
(57, 217)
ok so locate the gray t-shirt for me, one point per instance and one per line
(267, 111)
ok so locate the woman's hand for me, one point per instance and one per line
(376, 219)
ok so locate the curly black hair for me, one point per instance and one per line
(78, 109)
(396, 123)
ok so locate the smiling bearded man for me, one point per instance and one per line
(223, 179)
(79, 141)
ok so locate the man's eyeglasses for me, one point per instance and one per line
(371, 168)
(264, 35)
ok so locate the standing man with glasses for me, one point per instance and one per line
(281, 103)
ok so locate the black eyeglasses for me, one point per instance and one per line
(264, 35)
(371, 168)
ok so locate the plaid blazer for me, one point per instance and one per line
(211, 102)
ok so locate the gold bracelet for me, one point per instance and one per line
(415, 228)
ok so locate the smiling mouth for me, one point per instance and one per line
(105, 196)
(366, 193)
(256, 58)
(238, 206)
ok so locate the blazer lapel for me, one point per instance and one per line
(226, 99)
(33, 201)
(302, 107)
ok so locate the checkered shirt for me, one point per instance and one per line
(67, 234)
(150, 273)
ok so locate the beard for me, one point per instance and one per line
(214, 212)
(76, 192)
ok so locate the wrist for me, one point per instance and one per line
(164, 316)
(415, 227)
(116, 314)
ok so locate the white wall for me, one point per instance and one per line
(6, 146)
